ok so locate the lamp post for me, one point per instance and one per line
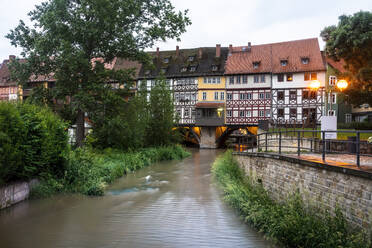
(341, 85)
(314, 86)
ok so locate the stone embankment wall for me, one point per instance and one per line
(15, 192)
(320, 185)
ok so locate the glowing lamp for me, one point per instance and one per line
(315, 84)
(342, 84)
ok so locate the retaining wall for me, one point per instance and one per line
(15, 192)
(320, 185)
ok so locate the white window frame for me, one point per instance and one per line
(216, 95)
(222, 96)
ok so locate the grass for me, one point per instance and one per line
(88, 171)
(340, 135)
(289, 223)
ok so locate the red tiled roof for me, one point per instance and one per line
(269, 56)
(338, 65)
(209, 104)
(121, 64)
(5, 74)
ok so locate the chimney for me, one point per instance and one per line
(218, 50)
(200, 53)
(12, 57)
(249, 47)
(177, 51)
(157, 52)
(230, 49)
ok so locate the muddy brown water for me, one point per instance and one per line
(169, 204)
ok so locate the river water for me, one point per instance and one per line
(169, 204)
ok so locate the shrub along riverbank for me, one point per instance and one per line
(88, 171)
(288, 223)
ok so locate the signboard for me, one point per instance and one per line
(13, 96)
(329, 123)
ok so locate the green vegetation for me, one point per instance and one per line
(33, 142)
(89, 171)
(288, 223)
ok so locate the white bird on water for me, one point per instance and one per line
(147, 178)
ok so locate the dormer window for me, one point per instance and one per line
(166, 60)
(191, 58)
(214, 67)
(184, 69)
(305, 60)
(192, 68)
(256, 64)
(283, 62)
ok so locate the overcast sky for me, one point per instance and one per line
(224, 21)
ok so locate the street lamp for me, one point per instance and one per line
(314, 85)
(342, 84)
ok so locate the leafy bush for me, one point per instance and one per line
(33, 142)
(356, 125)
(289, 223)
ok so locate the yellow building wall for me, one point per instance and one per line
(210, 89)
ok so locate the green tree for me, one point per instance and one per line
(161, 115)
(67, 35)
(351, 40)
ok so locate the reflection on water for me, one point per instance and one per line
(170, 204)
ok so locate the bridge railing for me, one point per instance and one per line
(302, 142)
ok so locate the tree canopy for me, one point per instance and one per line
(351, 40)
(68, 35)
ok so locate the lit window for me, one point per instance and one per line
(305, 60)
(255, 78)
(313, 76)
(222, 97)
(245, 79)
(280, 77)
(215, 95)
(289, 77)
(204, 95)
(332, 80)
(306, 76)
(283, 62)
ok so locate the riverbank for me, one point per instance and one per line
(289, 222)
(89, 171)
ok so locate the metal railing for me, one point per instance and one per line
(308, 141)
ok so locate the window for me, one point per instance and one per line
(261, 95)
(305, 94)
(242, 96)
(214, 80)
(280, 77)
(192, 68)
(193, 96)
(229, 113)
(268, 95)
(249, 96)
(238, 80)
(218, 80)
(348, 118)
(231, 80)
(261, 113)
(193, 113)
(209, 80)
(313, 94)
(332, 98)
(166, 60)
(183, 69)
(313, 76)
(215, 95)
(204, 95)
(305, 60)
(289, 77)
(222, 96)
(241, 113)
(214, 68)
(292, 95)
(186, 113)
(283, 62)
(280, 95)
(249, 113)
(229, 96)
(245, 79)
(255, 78)
(331, 113)
(256, 64)
(205, 80)
(267, 113)
(262, 78)
(293, 113)
(281, 113)
(176, 97)
(332, 80)
(306, 76)
(191, 58)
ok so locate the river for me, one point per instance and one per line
(169, 204)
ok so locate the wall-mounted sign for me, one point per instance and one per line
(329, 123)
